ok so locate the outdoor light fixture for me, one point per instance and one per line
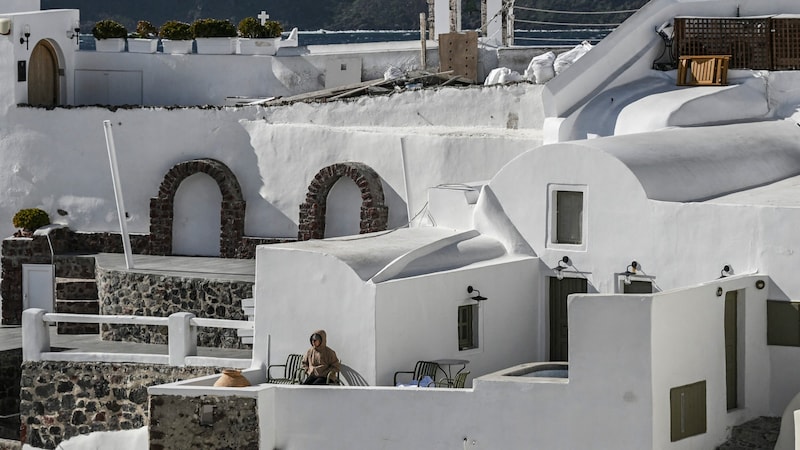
(563, 263)
(726, 271)
(477, 297)
(760, 284)
(25, 37)
(630, 270)
(75, 32)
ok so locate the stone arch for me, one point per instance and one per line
(232, 212)
(374, 213)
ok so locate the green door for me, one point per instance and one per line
(559, 330)
(731, 350)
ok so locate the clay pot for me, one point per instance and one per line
(232, 378)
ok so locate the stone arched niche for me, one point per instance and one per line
(232, 208)
(374, 213)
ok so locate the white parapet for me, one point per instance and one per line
(35, 334)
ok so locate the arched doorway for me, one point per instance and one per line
(374, 214)
(232, 208)
(43, 79)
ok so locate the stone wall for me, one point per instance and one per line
(10, 372)
(37, 250)
(17, 251)
(175, 419)
(60, 400)
(128, 293)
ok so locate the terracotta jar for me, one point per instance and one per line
(232, 378)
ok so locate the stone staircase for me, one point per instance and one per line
(76, 292)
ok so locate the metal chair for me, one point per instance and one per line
(332, 378)
(421, 370)
(289, 370)
(456, 382)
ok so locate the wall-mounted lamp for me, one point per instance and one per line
(25, 36)
(760, 284)
(478, 297)
(75, 32)
(726, 271)
(630, 270)
(563, 263)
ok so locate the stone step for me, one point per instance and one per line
(75, 266)
(76, 288)
(77, 307)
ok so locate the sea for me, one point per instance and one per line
(546, 38)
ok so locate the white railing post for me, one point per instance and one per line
(35, 334)
(182, 338)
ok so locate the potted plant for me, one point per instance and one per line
(144, 39)
(109, 36)
(214, 36)
(28, 220)
(176, 37)
(258, 39)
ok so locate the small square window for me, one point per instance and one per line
(343, 67)
(467, 327)
(569, 217)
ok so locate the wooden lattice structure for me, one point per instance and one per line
(758, 43)
(785, 43)
(747, 40)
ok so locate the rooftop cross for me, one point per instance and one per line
(263, 17)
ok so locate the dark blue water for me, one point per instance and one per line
(547, 38)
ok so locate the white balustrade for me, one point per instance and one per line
(182, 338)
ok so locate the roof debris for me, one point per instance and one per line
(412, 80)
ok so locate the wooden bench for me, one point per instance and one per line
(703, 70)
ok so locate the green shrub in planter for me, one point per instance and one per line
(30, 219)
(250, 27)
(144, 30)
(108, 29)
(208, 28)
(176, 31)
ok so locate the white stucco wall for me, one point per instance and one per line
(616, 233)
(209, 79)
(416, 318)
(689, 346)
(298, 292)
(57, 158)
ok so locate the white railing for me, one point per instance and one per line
(182, 338)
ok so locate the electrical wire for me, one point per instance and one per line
(567, 24)
(582, 13)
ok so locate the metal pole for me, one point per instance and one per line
(123, 225)
(423, 56)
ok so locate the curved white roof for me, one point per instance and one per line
(694, 164)
(404, 252)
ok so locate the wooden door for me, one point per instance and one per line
(43, 76)
(559, 329)
(731, 350)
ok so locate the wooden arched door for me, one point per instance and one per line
(43, 75)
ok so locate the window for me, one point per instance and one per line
(467, 327)
(687, 406)
(637, 287)
(566, 217)
(783, 323)
(569, 217)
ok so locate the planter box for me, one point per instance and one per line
(142, 45)
(257, 46)
(177, 47)
(110, 45)
(215, 45)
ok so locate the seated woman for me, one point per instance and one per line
(319, 360)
